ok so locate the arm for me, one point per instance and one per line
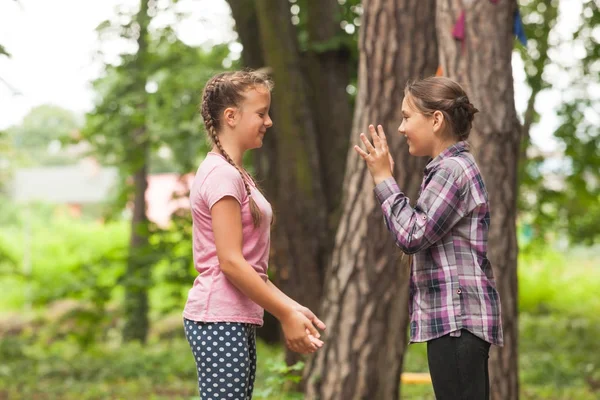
(227, 227)
(441, 205)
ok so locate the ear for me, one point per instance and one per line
(438, 120)
(230, 116)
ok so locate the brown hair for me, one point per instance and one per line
(438, 93)
(227, 90)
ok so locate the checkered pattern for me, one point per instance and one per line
(452, 285)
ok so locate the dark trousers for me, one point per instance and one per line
(225, 354)
(459, 367)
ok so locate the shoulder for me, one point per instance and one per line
(462, 168)
(216, 168)
(216, 178)
(466, 175)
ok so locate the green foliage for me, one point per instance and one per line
(78, 354)
(44, 126)
(553, 282)
(570, 204)
(69, 258)
(558, 361)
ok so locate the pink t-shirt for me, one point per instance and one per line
(213, 298)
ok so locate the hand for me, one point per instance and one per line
(377, 156)
(316, 322)
(297, 329)
(310, 315)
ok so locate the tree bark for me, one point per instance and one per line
(366, 295)
(328, 67)
(137, 276)
(264, 159)
(301, 229)
(482, 64)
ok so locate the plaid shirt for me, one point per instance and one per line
(452, 285)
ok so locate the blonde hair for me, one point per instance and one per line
(227, 90)
(438, 93)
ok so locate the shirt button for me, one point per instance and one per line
(458, 291)
(424, 217)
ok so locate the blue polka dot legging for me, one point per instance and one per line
(225, 354)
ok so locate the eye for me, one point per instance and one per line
(262, 115)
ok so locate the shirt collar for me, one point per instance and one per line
(451, 151)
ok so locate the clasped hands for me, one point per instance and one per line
(298, 326)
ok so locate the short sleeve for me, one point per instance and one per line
(223, 181)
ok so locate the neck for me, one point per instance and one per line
(443, 145)
(233, 151)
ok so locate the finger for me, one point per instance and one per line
(319, 324)
(361, 152)
(312, 330)
(374, 136)
(368, 144)
(308, 313)
(381, 133)
(382, 138)
(308, 344)
(317, 342)
(308, 333)
(391, 162)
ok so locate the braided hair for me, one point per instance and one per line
(443, 94)
(226, 90)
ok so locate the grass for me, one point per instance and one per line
(559, 328)
(558, 361)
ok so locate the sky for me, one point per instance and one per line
(53, 46)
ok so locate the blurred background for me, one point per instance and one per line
(100, 136)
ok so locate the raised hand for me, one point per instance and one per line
(377, 155)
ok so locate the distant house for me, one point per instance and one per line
(87, 183)
(165, 194)
(71, 185)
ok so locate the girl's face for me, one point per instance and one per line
(417, 128)
(252, 118)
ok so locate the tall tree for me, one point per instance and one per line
(138, 272)
(303, 160)
(366, 293)
(481, 62)
(146, 110)
(539, 17)
(118, 131)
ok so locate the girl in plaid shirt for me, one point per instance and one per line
(454, 305)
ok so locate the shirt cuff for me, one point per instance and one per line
(385, 189)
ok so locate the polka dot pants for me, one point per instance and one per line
(225, 354)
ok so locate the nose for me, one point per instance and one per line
(269, 122)
(401, 129)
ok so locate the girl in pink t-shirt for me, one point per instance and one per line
(231, 238)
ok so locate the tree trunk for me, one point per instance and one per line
(301, 228)
(482, 64)
(137, 275)
(301, 175)
(366, 297)
(265, 159)
(328, 67)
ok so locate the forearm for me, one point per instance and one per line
(405, 224)
(284, 297)
(245, 278)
